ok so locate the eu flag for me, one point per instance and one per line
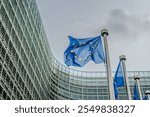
(81, 51)
(136, 94)
(118, 80)
(115, 91)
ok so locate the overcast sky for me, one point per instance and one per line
(128, 22)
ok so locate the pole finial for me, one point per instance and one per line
(104, 32)
(136, 77)
(147, 92)
(122, 57)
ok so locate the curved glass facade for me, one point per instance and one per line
(74, 84)
(28, 69)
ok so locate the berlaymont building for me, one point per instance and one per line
(28, 70)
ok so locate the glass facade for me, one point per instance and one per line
(24, 54)
(28, 69)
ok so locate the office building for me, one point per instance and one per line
(28, 69)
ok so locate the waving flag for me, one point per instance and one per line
(136, 94)
(81, 51)
(115, 91)
(118, 80)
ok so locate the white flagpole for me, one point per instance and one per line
(122, 60)
(104, 33)
(137, 80)
(148, 94)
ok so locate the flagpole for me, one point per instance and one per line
(104, 33)
(137, 79)
(122, 60)
(148, 94)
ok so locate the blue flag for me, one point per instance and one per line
(81, 51)
(115, 91)
(136, 94)
(145, 97)
(118, 80)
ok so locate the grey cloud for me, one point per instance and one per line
(126, 26)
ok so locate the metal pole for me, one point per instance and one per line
(148, 94)
(137, 79)
(122, 60)
(104, 33)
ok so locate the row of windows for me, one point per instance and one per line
(27, 34)
(34, 41)
(57, 96)
(62, 84)
(12, 68)
(15, 74)
(12, 50)
(39, 52)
